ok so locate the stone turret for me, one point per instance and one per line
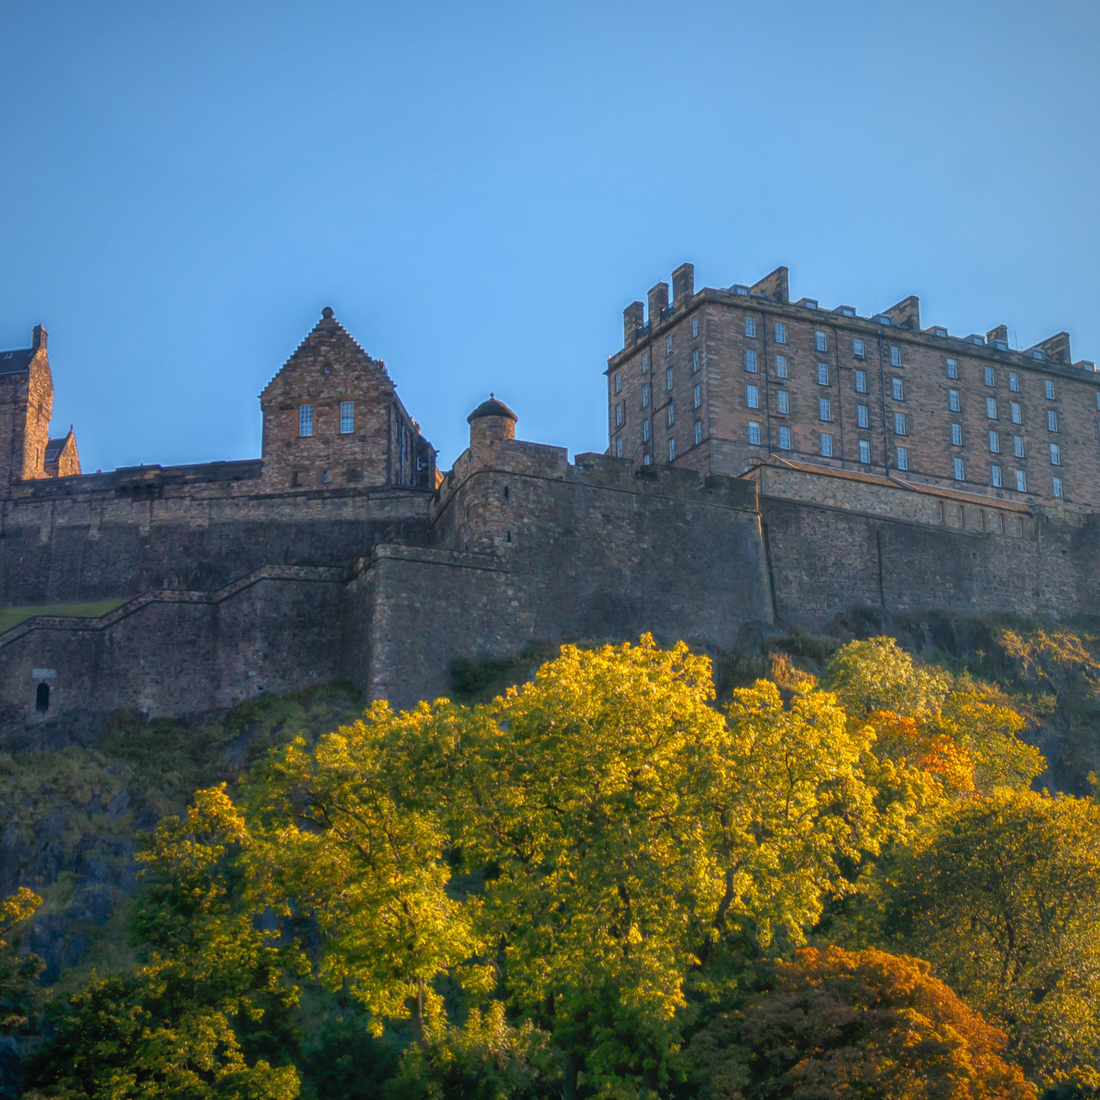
(491, 423)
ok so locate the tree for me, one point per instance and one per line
(17, 971)
(841, 1024)
(1003, 897)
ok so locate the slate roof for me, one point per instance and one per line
(492, 407)
(12, 362)
(53, 448)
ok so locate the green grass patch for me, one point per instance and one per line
(13, 616)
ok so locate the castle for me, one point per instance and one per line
(768, 463)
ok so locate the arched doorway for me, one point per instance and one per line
(42, 697)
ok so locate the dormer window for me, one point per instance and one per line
(305, 420)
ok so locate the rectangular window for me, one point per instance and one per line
(899, 389)
(780, 332)
(668, 378)
(960, 472)
(671, 414)
(781, 371)
(305, 420)
(1017, 417)
(698, 394)
(1052, 420)
(645, 459)
(903, 458)
(989, 380)
(671, 450)
(825, 409)
(1055, 455)
(752, 397)
(1013, 381)
(822, 374)
(821, 341)
(995, 476)
(1021, 481)
(698, 432)
(864, 451)
(618, 383)
(994, 443)
(645, 430)
(863, 418)
(899, 423)
(619, 447)
(1058, 487)
(1098, 399)
(1050, 389)
(1018, 446)
(991, 408)
(347, 417)
(645, 397)
(695, 326)
(750, 360)
(857, 348)
(895, 356)
(619, 415)
(956, 435)
(754, 431)
(826, 445)
(952, 368)
(750, 326)
(668, 345)
(861, 381)
(695, 360)
(645, 363)
(783, 401)
(784, 439)
(953, 400)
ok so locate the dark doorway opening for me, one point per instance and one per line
(42, 698)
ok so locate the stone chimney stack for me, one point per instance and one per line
(491, 424)
(658, 303)
(38, 337)
(633, 320)
(683, 285)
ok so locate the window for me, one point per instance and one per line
(1021, 481)
(1098, 399)
(645, 459)
(1058, 487)
(991, 408)
(347, 417)
(864, 451)
(960, 472)
(953, 400)
(750, 326)
(1017, 417)
(695, 360)
(952, 368)
(863, 419)
(899, 389)
(956, 435)
(752, 397)
(781, 372)
(645, 363)
(671, 450)
(783, 401)
(994, 443)
(825, 409)
(1013, 381)
(857, 348)
(821, 341)
(668, 345)
(1052, 420)
(695, 326)
(903, 458)
(1055, 455)
(305, 420)
(619, 415)
(895, 356)
(698, 394)
(780, 332)
(754, 431)
(1049, 385)
(826, 445)
(698, 432)
(995, 476)
(989, 380)
(861, 381)
(618, 383)
(899, 423)
(619, 447)
(671, 414)
(645, 397)
(822, 374)
(1018, 446)
(668, 378)
(645, 430)
(750, 360)
(784, 439)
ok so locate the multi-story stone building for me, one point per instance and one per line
(722, 380)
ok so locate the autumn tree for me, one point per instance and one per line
(18, 970)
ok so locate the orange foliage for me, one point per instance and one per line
(930, 750)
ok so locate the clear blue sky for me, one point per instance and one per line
(479, 189)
